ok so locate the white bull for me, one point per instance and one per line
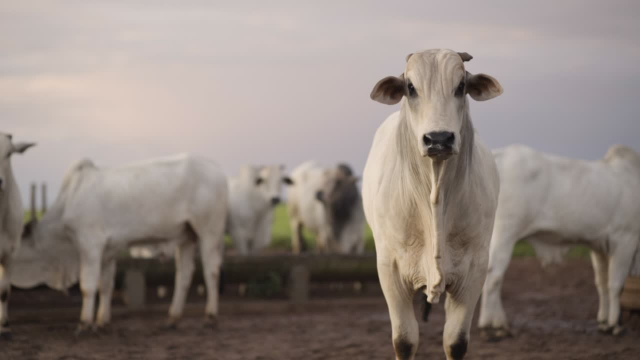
(11, 221)
(430, 191)
(100, 212)
(252, 197)
(326, 202)
(554, 203)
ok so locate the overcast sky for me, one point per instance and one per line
(289, 81)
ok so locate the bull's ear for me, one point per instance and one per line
(21, 147)
(287, 180)
(389, 90)
(483, 87)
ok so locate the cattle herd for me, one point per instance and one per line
(444, 211)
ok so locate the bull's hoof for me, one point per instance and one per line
(211, 321)
(495, 334)
(604, 328)
(172, 323)
(618, 330)
(83, 330)
(5, 334)
(104, 329)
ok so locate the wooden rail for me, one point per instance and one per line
(296, 271)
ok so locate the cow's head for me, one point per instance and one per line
(270, 180)
(8, 148)
(338, 195)
(434, 85)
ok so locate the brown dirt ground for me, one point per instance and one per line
(552, 312)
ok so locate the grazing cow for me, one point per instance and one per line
(554, 203)
(252, 197)
(327, 202)
(11, 221)
(100, 212)
(430, 191)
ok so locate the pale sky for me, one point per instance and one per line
(289, 81)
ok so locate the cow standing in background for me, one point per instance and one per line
(554, 203)
(11, 223)
(252, 196)
(100, 212)
(430, 191)
(327, 202)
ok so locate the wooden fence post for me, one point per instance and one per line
(43, 191)
(135, 288)
(299, 281)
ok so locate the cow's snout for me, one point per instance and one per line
(439, 144)
(275, 200)
(320, 196)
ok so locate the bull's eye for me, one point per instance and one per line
(460, 89)
(411, 89)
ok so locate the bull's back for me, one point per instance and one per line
(574, 198)
(156, 194)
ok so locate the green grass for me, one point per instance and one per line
(281, 237)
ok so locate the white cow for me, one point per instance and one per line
(554, 203)
(100, 212)
(430, 191)
(327, 202)
(11, 221)
(252, 197)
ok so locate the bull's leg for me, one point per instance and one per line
(493, 319)
(211, 249)
(399, 297)
(323, 242)
(107, 280)
(5, 289)
(90, 268)
(296, 235)
(600, 270)
(619, 265)
(240, 241)
(459, 308)
(185, 264)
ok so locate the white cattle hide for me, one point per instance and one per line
(430, 191)
(554, 203)
(11, 221)
(100, 212)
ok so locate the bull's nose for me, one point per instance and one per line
(439, 142)
(320, 195)
(275, 200)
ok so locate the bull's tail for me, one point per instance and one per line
(425, 307)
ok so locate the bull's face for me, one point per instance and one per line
(434, 85)
(270, 180)
(338, 193)
(8, 148)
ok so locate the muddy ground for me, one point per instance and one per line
(552, 312)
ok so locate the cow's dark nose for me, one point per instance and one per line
(439, 142)
(275, 200)
(320, 196)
